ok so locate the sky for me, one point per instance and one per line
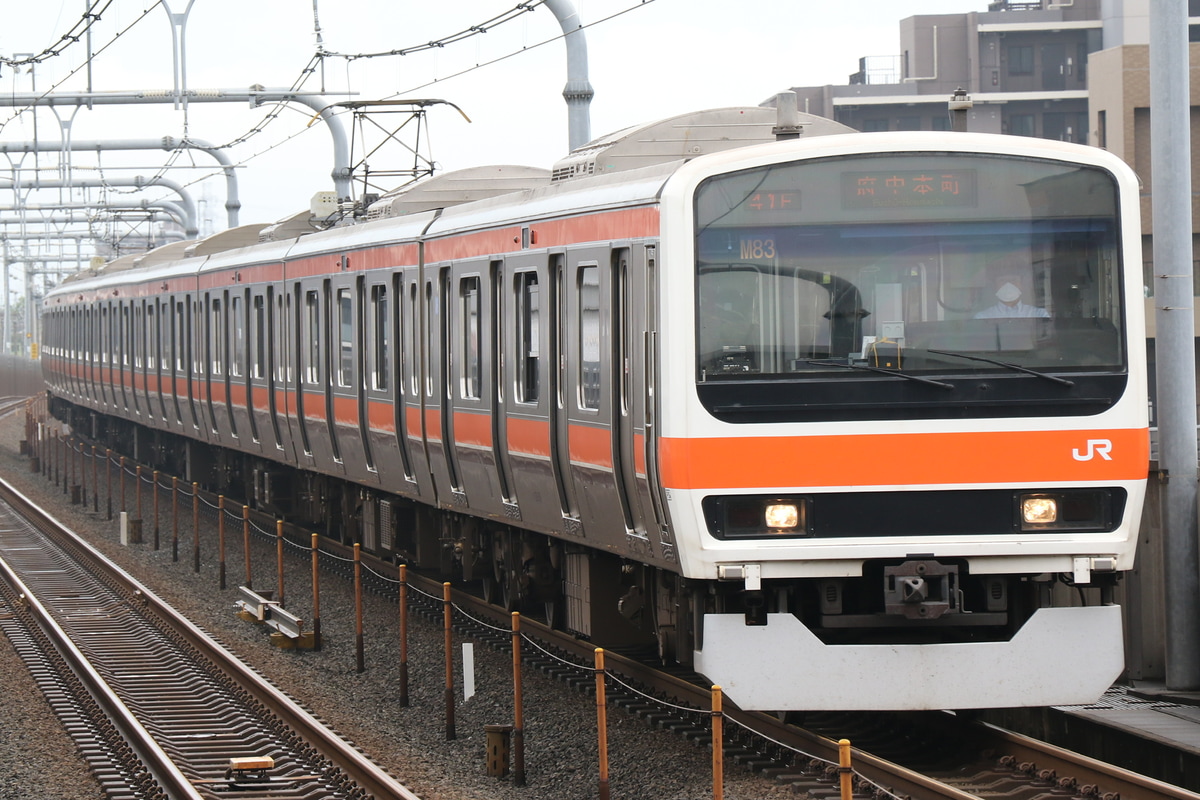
(647, 60)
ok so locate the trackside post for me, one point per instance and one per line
(195, 527)
(279, 561)
(221, 541)
(246, 544)
(316, 591)
(602, 723)
(518, 732)
(403, 600)
(358, 609)
(718, 744)
(448, 631)
(845, 770)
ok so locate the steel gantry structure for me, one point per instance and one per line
(69, 147)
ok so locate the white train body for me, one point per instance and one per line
(757, 407)
(884, 466)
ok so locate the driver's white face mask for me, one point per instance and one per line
(1008, 293)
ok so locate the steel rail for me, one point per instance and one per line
(1082, 768)
(368, 775)
(896, 778)
(173, 782)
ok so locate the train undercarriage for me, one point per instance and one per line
(598, 596)
(602, 597)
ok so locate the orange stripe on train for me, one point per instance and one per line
(1028, 457)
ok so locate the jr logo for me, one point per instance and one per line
(1095, 447)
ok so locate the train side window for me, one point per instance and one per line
(471, 365)
(528, 321)
(312, 313)
(260, 338)
(114, 339)
(137, 346)
(148, 328)
(86, 352)
(283, 365)
(380, 328)
(402, 361)
(216, 337)
(275, 324)
(414, 319)
(197, 330)
(162, 314)
(429, 340)
(124, 334)
(238, 355)
(177, 341)
(345, 305)
(152, 336)
(589, 337)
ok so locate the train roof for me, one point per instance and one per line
(230, 239)
(376, 233)
(159, 255)
(620, 168)
(597, 193)
(301, 223)
(457, 187)
(686, 136)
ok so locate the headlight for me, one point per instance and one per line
(1039, 510)
(782, 515)
(1066, 510)
(757, 517)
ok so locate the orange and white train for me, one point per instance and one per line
(843, 421)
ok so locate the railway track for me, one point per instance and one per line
(926, 756)
(894, 755)
(159, 707)
(10, 403)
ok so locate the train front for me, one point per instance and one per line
(904, 435)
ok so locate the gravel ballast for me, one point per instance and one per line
(38, 760)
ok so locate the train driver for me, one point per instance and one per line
(1008, 303)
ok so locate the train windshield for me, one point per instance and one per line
(935, 266)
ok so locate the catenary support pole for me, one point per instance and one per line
(578, 92)
(255, 96)
(1175, 345)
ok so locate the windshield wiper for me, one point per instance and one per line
(1007, 364)
(880, 370)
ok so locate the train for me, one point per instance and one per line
(837, 420)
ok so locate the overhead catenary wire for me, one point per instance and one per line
(90, 17)
(433, 44)
(524, 49)
(72, 73)
(317, 61)
(318, 58)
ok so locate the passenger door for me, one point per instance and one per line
(598, 436)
